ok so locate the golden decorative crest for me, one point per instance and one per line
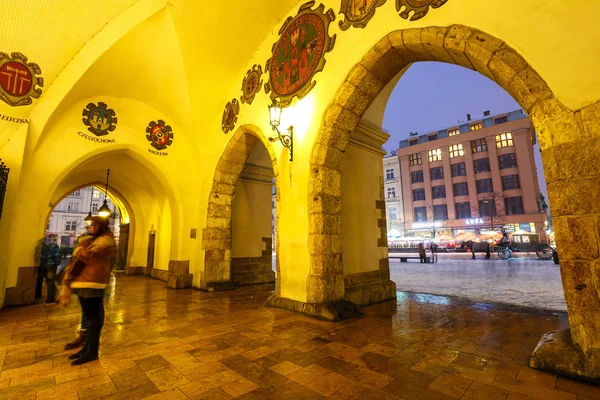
(358, 12)
(419, 7)
(18, 80)
(230, 115)
(251, 84)
(299, 53)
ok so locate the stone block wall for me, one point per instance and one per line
(254, 270)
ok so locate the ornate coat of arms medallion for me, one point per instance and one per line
(18, 80)
(230, 115)
(358, 12)
(420, 7)
(299, 53)
(99, 119)
(159, 134)
(251, 84)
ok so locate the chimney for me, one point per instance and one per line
(468, 117)
(486, 113)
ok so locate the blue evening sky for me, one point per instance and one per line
(433, 96)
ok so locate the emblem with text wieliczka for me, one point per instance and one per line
(18, 80)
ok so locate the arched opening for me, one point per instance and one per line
(444, 202)
(469, 48)
(238, 238)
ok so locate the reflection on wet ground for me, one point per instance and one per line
(523, 280)
(166, 344)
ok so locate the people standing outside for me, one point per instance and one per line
(90, 284)
(49, 258)
(422, 254)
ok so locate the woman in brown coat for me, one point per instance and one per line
(90, 282)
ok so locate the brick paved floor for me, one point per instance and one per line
(166, 344)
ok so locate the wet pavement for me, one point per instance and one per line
(522, 280)
(176, 344)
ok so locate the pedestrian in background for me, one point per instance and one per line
(49, 259)
(422, 254)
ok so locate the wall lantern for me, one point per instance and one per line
(104, 211)
(88, 220)
(275, 118)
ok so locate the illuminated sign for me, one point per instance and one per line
(474, 221)
(424, 225)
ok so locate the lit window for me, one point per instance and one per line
(389, 173)
(476, 127)
(96, 195)
(504, 140)
(391, 192)
(435, 155)
(456, 150)
(454, 132)
(414, 159)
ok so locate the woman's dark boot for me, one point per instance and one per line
(79, 341)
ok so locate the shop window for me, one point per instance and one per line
(438, 192)
(418, 194)
(461, 189)
(435, 155)
(504, 140)
(440, 212)
(420, 214)
(436, 173)
(484, 186)
(510, 182)
(513, 205)
(416, 176)
(481, 165)
(507, 161)
(479, 145)
(459, 169)
(487, 208)
(463, 210)
(456, 150)
(414, 159)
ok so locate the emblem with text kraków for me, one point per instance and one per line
(99, 119)
(18, 80)
(299, 53)
(159, 134)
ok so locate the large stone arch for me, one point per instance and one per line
(216, 237)
(568, 163)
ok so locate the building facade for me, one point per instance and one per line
(67, 218)
(480, 175)
(392, 180)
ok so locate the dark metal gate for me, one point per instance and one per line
(4, 170)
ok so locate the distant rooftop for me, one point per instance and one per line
(464, 127)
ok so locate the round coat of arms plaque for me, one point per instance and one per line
(18, 80)
(99, 119)
(420, 7)
(299, 53)
(159, 134)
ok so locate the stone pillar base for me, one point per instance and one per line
(179, 275)
(24, 293)
(251, 270)
(366, 288)
(333, 311)
(216, 286)
(142, 271)
(556, 353)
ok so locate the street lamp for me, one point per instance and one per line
(104, 211)
(88, 220)
(287, 141)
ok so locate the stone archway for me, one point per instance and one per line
(217, 236)
(568, 162)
